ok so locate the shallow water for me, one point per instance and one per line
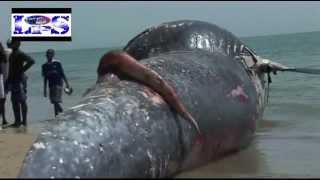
(271, 154)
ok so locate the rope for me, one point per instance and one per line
(269, 82)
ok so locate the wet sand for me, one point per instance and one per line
(14, 144)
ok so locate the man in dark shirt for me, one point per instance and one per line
(52, 71)
(19, 63)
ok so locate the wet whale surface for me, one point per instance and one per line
(124, 129)
(184, 35)
(118, 130)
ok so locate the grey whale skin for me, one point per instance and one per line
(124, 129)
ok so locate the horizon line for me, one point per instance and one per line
(240, 37)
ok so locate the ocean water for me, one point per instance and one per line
(287, 141)
(80, 69)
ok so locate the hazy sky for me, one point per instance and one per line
(106, 24)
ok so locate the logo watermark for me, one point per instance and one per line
(41, 24)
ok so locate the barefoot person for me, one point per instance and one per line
(19, 63)
(53, 72)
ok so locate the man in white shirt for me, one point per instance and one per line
(4, 68)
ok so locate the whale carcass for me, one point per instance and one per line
(124, 129)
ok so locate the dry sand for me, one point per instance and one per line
(14, 144)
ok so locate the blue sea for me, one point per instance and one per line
(287, 141)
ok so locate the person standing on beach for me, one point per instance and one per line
(4, 66)
(3, 76)
(53, 72)
(19, 63)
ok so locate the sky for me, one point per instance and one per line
(99, 24)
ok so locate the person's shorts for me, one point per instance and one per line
(18, 90)
(55, 94)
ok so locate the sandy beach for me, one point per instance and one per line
(14, 144)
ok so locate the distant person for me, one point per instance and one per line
(19, 63)
(3, 62)
(52, 72)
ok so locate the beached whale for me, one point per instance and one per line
(126, 129)
(184, 35)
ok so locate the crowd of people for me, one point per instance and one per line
(14, 63)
